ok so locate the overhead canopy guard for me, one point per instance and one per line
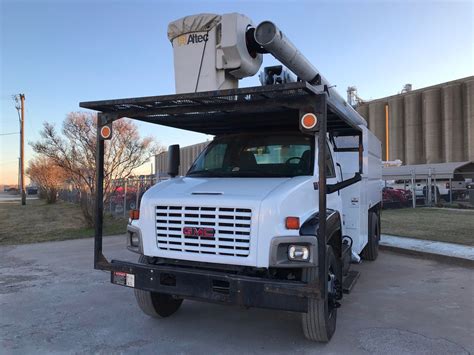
(273, 107)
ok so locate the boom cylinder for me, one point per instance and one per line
(273, 40)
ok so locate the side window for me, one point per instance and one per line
(330, 170)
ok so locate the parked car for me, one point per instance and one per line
(458, 188)
(118, 197)
(31, 190)
(392, 197)
(434, 189)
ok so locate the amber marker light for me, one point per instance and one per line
(134, 214)
(105, 132)
(292, 223)
(309, 120)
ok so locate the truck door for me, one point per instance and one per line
(332, 176)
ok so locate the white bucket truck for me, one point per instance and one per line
(279, 204)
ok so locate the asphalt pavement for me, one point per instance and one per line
(52, 301)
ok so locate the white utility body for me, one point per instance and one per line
(276, 208)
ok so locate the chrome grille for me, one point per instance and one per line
(231, 229)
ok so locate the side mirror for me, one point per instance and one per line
(173, 160)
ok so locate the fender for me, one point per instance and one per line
(311, 225)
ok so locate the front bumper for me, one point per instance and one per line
(215, 286)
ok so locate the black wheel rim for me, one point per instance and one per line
(332, 292)
(376, 233)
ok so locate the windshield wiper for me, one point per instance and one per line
(242, 173)
(203, 173)
(256, 173)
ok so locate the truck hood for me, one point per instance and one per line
(169, 206)
(245, 188)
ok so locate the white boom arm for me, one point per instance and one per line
(274, 41)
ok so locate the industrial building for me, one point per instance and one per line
(429, 125)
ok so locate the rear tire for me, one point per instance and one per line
(319, 323)
(154, 304)
(371, 250)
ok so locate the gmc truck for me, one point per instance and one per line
(276, 208)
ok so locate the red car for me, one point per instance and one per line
(395, 197)
(117, 197)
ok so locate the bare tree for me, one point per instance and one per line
(74, 150)
(47, 176)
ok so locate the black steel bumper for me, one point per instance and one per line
(215, 286)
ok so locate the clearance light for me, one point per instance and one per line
(292, 223)
(134, 214)
(309, 121)
(298, 253)
(105, 132)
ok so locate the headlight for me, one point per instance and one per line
(134, 240)
(298, 252)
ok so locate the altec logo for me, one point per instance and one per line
(192, 39)
(198, 232)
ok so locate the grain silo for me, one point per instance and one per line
(468, 117)
(396, 126)
(376, 124)
(414, 147)
(428, 125)
(453, 129)
(432, 125)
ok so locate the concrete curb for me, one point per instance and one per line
(448, 259)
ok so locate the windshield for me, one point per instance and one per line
(256, 155)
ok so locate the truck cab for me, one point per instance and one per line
(238, 195)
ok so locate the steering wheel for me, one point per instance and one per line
(293, 158)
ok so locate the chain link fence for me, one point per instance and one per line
(125, 194)
(431, 191)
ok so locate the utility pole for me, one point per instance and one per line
(22, 149)
(21, 109)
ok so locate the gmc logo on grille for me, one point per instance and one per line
(198, 232)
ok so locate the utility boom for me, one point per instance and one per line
(274, 41)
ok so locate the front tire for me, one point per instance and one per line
(371, 250)
(319, 323)
(154, 304)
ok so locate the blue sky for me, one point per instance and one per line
(62, 52)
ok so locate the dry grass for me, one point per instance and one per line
(40, 222)
(453, 226)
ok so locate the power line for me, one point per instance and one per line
(8, 161)
(9, 134)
